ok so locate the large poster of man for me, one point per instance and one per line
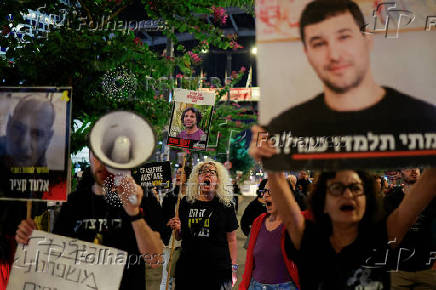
(190, 119)
(347, 84)
(34, 143)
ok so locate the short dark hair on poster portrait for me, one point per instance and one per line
(194, 110)
(320, 10)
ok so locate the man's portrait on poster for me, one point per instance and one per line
(33, 131)
(29, 131)
(353, 113)
(190, 119)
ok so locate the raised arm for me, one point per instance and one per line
(288, 209)
(420, 195)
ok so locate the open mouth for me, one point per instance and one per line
(347, 208)
(268, 203)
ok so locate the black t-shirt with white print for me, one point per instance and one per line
(205, 250)
(359, 266)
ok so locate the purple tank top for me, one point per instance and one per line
(196, 136)
(269, 266)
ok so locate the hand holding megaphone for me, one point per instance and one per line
(130, 194)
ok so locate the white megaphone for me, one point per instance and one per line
(122, 140)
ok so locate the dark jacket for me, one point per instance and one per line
(251, 212)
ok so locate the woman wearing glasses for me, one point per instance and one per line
(266, 265)
(207, 226)
(344, 247)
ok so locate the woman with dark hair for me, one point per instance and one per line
(255, 208)
(266, 264)
(345, 247)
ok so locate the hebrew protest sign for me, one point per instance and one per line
(56, 262)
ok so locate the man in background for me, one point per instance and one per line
(303, 182)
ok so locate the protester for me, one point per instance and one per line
(413, 268)
(340, 248)
(168, 210)
(343, 246)
(254, 209)
(381, 184)
(207, 226)
(88, 216)
(303, 182)
(236, 193)
(266, 264)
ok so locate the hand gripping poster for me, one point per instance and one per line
(347, 85)
(34, 143)
(190, 119)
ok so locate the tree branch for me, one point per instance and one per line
(88, 12)
(115, 14)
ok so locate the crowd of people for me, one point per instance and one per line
(331, 237)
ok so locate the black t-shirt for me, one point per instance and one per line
(358, 266)
(416, 251)
(254, 209)
(205, 250)
(395, 114)
(85, 215)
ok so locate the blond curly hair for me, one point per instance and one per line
(224, 189)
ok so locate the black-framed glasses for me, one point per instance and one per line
(265, 191)
(208, 171)
(338, 189)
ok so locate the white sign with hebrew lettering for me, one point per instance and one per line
(52, 262)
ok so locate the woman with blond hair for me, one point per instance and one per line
(207, 227)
